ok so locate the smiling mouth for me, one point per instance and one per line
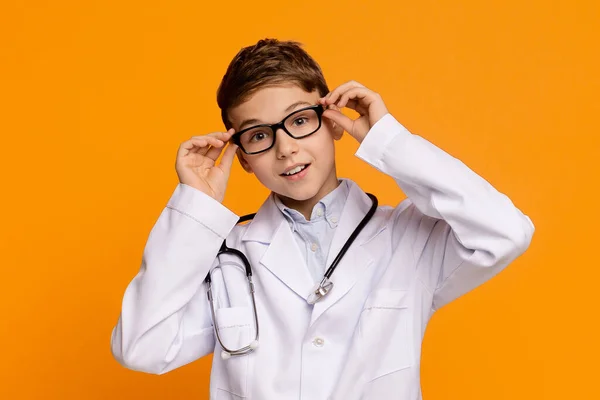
(296, 170)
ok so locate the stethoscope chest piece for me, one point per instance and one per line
(320, 291)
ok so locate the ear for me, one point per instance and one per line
(337, 130)
(243, 162)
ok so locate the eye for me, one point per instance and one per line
(258, 136)
(300, 121)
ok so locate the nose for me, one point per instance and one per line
(285, 145)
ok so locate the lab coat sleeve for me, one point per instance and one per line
(478, 231)
(165, 318)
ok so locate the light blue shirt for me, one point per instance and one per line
(314, 236)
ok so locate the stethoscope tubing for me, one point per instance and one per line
(250, 347)
(322, 290)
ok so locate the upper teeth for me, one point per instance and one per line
(295, 170)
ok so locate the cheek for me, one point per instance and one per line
(262, 167)
(323, 145)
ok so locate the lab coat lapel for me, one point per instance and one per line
(282, 257)
(357, 258)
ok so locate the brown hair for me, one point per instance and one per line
(267, 63)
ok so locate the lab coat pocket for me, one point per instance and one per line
(385, 334)
(236, 330)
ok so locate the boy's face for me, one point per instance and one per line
(270, 105)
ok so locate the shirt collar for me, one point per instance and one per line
(329, 207)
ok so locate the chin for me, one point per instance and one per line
(299, 193)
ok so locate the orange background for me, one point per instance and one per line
(97, 95)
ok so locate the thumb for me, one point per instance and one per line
(227, 159)
(336, 116)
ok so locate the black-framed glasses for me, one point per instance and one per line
(299, 124)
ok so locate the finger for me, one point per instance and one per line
(215, 151)
(229, 134)
(210, 138)
(336, 116)
(219, 135)
(355, 97)
(344, 87)
(185, 148)
(206, 141)
(337, 92)
(202, 144)
(227, 159)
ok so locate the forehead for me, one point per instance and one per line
(270, 104)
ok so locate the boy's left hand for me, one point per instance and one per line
(368, 104)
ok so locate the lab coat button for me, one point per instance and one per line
(314, 247)
(318, 342)
(334, 220)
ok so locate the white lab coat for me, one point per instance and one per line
(363, 341)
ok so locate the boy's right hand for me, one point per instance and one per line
(196, 163)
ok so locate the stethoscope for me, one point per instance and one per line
(317, 294)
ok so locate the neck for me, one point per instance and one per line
(305, 207)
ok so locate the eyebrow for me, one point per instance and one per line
(255, 121)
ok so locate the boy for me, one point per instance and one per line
(363, 339)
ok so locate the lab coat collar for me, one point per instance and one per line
(283, 257)
(265, 223)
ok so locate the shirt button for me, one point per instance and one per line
(314, 247)
(320, 212)
(318, 342)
